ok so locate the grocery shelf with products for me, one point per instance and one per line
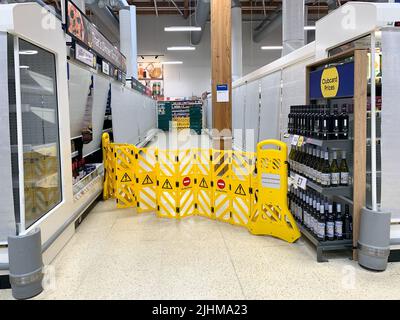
(181, 114)
(327, 138)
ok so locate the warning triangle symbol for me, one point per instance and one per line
(126, 178)
(240, 191)
(167, 185)
(147, 180)
(203, 184)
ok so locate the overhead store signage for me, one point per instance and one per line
(80, 28)
(85, 56)
(332, 82)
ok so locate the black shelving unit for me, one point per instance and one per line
(325, 246)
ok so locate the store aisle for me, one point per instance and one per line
(119, 254)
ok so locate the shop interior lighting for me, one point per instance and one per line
(271, 48)
(28, 52)
(182, 28)
(181, 48)
(172, 62)
(308, 28)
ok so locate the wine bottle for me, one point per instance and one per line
(326, 171)
(315, 217)
(335, 172)
(344, 123)
(344, 170)
(324, 124)
(317, 118)
(330, 224)
(348, 227)
(321, 224)
(311, 121)
(339, 222)
(335, 129)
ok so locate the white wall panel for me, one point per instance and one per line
(238, 115)
(293, 90)
(126, 110)
(252, 114)
(270, 106)
(78, 85)
(101, 85)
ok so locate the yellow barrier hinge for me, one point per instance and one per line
(136, 156)
(250, 190)
(177, 209)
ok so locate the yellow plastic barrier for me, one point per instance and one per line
(146, 179)
(109, 167)
(241, 188)
(125, 176)
(272, 216)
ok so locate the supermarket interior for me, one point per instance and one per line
(199, 150)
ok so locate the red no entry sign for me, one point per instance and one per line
(186, 181)
(221, 184)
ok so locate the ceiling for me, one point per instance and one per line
(187, 7)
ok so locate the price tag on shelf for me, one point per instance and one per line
(300, 182)
(295, 140)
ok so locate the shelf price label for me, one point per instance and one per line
(298, 181)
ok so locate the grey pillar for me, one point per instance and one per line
(237, 51)
(292, 25)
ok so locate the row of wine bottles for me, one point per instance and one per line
(313, 163)
(322, 218)
(319, 121)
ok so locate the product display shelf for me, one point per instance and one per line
(182, 114)
(324, 246)
(340, 144)
(353, 195)
(83, 184)
(345, 191)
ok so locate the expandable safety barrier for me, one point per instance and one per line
(241, 188)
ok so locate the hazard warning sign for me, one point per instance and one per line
(126, 178)
(167, 185)
(240, 190)
(147, 180)
(203, 183)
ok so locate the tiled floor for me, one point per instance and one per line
(118, 254)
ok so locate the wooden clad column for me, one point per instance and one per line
(221, 70)
(360, 140)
